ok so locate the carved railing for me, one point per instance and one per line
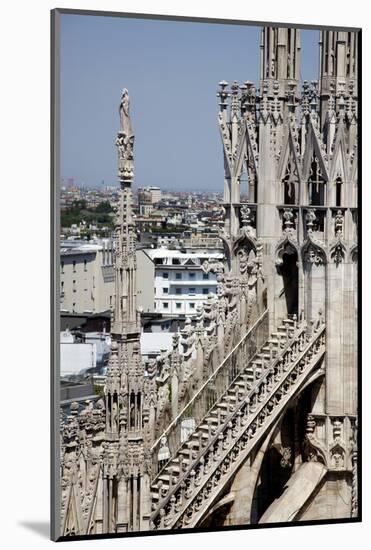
(202, 345)
(211, 391)
(180, 499)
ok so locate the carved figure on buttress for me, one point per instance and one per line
(114, 416)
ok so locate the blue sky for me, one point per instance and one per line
(171, 70)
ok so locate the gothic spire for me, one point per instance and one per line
(280, 57)
(338, 73)
(125, 316)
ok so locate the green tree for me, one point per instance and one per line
(104, 207)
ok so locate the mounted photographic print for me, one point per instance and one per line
(205, 278)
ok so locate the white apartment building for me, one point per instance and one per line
(180, 283)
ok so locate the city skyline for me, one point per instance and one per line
(173, 93)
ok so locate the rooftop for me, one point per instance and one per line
(72, 247)
(166, 253)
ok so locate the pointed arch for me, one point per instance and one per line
(338, 251)
(339, 162)
(287, 285)
(337, 455)
(313, 252)
(289, 152)
(291, 183)
(286, 245)
(316, 184)
(246, 240)
(314, 147)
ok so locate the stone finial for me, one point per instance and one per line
(310, 219)
(311, 424)
(288, 217)
(313, 96)
(291, 95)
(339, 220)
(223, 94)
(74, 408)
(337, 425)
(235, 98)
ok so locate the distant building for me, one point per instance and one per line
(180, 282)
(155, 194)
(147, 197)
(86, 276)
(156, 322)
(145, 208)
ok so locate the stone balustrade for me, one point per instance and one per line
(217, 448)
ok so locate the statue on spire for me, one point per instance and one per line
(125, 141)
(125, 123)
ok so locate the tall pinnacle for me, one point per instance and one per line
(125, 318)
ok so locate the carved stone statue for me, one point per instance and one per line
(125, 123)
(125, 140)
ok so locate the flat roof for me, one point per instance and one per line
(166, 253)
(70, 247)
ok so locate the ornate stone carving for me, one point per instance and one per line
(313, 449)
(245, 215)
(337, 448)
(310, 219)
(125, 122)
(337, 251)
(313, 250)
(213, 266)
(339, 221)
(313, 254)
(288, 223)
